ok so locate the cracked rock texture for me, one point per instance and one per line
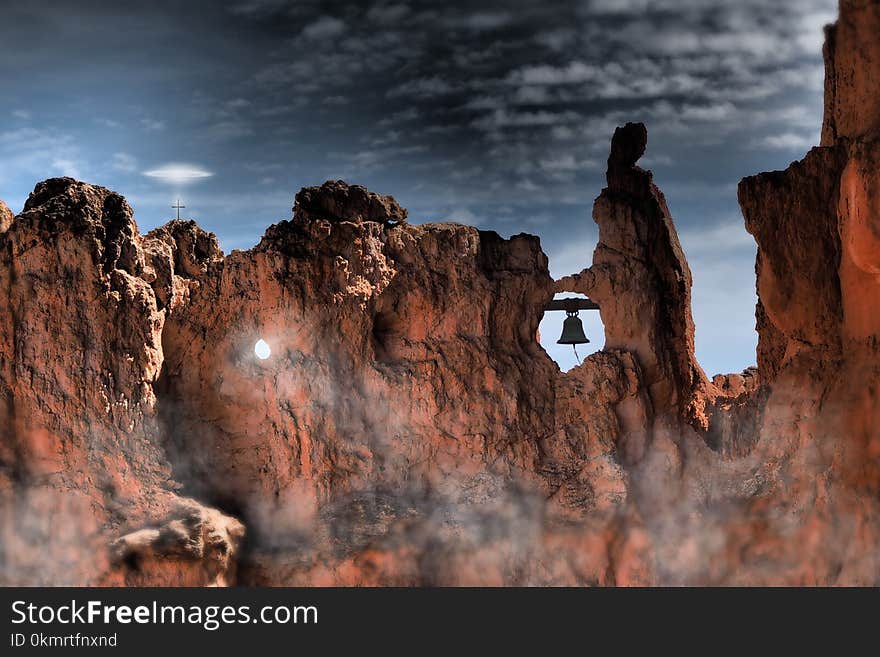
(407, 427)
(852, 84)
(6, 217)
(81, 455)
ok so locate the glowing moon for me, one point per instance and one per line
(262, 349)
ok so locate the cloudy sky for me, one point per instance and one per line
(497, 115)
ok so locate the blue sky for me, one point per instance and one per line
(499, 116)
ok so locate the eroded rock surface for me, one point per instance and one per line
(336, 200)
(407, 428)
(6, 217)
(641, 280)
(852, 86)
(403, 359)
(816, 226)
(192, 546)
(81, 456)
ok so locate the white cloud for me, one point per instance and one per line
(485, 21)
(574, 73)
(503, 119)
(422, 88)
(462, 216)
(123, 162)
(325, 27)
(65, 167)
(567, 163)
(403, 116)
(563, 133)
(24, 115)
(573, 256)
(229, 129)
(152, 125)
(178, 173)
(811, 35)
(559, 163)
(649, 161)
(35, 154)
(631, 78)
(108, 123)
(786, 141)
(618, 6)
(713, 113)
(727, 236)
(387, 14)
(259, 8)
(532, 95)
(557, 40)
(527, 186)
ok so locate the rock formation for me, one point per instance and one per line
(641, 280)
(6, 217)
(407, 428)
(816, 225)
(80, 338)
(852, 86)
(200, 543)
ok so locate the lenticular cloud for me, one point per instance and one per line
(179, 174)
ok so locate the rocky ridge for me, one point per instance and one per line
(408, 428)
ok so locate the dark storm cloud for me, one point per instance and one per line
(497, 115)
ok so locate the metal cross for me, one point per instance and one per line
(178, 206)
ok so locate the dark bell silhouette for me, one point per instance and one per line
(572, 330)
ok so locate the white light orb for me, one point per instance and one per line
(262, 349)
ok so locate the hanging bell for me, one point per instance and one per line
(572, 330)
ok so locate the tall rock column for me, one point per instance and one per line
(642, 282)
(852, 62)
(818, 278)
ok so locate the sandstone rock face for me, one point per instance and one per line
(406, 404)
(335, 200)
(201, 544)
(6, 217)
(852, 59)
(792, 216)
(403, 357)
(407, 428)
(641, 280)
(178, 253)
(816, 225)
(80, 340)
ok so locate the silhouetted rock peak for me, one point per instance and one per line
(336, 200)
(627, 146)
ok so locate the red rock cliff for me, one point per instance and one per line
(816, 225)
(81, 453)
(407, 428)
(6, 217)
